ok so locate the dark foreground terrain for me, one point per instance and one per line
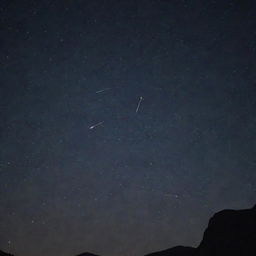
(229, 233)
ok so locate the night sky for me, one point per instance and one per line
(124, 125)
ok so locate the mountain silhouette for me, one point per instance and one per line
(85, 254)
(5, 254)
(176, 251)
(229, 233)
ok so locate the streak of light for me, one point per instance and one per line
(138, 106)
(103, 90)
(95, 125)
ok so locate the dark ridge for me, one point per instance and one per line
(87, 254)
(5, 254)
(177, 251)
(229, 233)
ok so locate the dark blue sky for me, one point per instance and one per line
(137, 181)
